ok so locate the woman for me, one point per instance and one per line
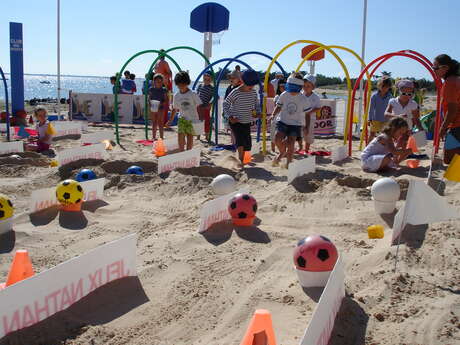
(449, 69)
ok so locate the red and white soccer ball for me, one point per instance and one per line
(315, 253)
(242, 209)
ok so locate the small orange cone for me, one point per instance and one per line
(412, 144)
(159, 148)
(260, 330)
(21, 268)
(413, 163)
(72, 207)
(247, 158)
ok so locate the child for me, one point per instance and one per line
(157, 93)
(279, 91)
(235, 81)
(241, 106)
(291, 107)
(310, 117)
(113, 79)
(206, 92)
(379, 103)
(185, 102)
(381, 152)
(45, 132)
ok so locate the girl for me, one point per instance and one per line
(280, 89)
(45, 132)
(379, 103)
(381, 152)
(241, 106)
(310, 118)
(205, 92)
(449, 69)
(157, 92)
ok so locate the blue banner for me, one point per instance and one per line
(16, 68)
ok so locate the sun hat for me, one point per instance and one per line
(294, 84)
(250, 77)
(405, 83)
(310, 78)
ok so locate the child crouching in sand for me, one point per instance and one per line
(381, 152)
(45, 131)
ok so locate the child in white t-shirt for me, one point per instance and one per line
(291, 107)
(185, 102)
(310, 118)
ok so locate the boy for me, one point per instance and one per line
(310, 116)
(241, 106)
(205, 92)
(185, 102)
(379, 103)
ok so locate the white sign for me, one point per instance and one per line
(325, 123)
(322, 322)
(44, 198)
(339, 154)
(35, 299)
(66, 128)
(96, 151)
(255, 148)
(97, 137)
(300, 167)
(186, 159)
(3, 129)
(216, 211)
(11, 147)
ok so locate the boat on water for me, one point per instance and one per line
(45, 82)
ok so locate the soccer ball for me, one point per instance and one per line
(69, 192)
(135, 170)
(223, 184)
(242, 209)
(85, 175)
(6, 207)
(315, 253)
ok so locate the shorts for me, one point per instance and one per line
(42, 147)
(289, 130)
(377, 126)
(185, 126)
(452, 139)
(242, 134)
(205, 112)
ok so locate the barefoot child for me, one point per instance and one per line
(45, 132)
(158, 93)
(235, 81)
(279, 91)
(292, 107)
(185, 102)
(379, 103)
(241, 106)
(205, 92)
(310, 118)
(381, 152)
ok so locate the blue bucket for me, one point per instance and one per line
(55, 117)
(429, 135)
(174, 122)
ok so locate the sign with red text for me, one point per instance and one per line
(186, 159)
(34, 299)
(325, 123)
(11, 147)
(44, 198)
(64, 128)
(322, 322)
(216, 211)
(97, 137)
(96, 151)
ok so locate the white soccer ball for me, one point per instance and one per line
(223, 184)
(15, 156)
(385, 189)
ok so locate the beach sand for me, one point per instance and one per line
(203, 288)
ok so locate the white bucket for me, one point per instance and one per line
(154, 105)
(313, 279)
(384, 207)
(198, 127)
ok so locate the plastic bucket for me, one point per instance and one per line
(384, 207)
(154, 105)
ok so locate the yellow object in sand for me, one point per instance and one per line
(51, 130)
(108, 145)
(453, 171)
(53, 163)
(375, 231)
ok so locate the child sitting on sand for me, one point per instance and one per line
(310, 118)
(45, 131)
(242, 106)
(292, 107)
(379, 103)
(157, 93)
(381, 152)
(185, 102)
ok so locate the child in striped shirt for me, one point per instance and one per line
(205, 92)
(242, 106)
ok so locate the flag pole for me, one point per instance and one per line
(58, 58)
(363, 51)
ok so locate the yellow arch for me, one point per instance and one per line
(267, 76)
(369, 86)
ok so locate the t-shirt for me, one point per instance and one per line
(450, 93)
(43, 130)
(230, 88)
(378, 106)
(405, 112)
(240, 105)
(314, 103)
(128, 86)
(293, 108)
(158, 94)
(205, 92)
(186, 103)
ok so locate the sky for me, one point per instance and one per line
(97, 36)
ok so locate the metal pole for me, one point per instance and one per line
(58, 58)
(207, 46)
(363, 50)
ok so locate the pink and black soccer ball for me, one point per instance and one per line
(242, 209)
(315, 253)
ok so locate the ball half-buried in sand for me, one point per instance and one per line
(223, 184)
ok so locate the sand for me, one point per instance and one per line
(203, 288)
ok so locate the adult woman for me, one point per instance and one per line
(449, 69)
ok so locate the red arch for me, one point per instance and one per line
(380, 60)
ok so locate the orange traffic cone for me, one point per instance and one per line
(247, 158)
(413, 163)
(159, 148)
(260, 330)
(412, 144)
(21, 268)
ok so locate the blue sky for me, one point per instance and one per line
(97, 37)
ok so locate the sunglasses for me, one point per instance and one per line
(406, 93)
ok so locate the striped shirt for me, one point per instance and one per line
(240, 104)
(205, 92)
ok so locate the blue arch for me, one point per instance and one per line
(6, 105)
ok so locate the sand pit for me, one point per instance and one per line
(197, 288)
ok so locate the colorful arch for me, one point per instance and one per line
(5, 86)
(117, 85)
(267, 75)
(412, 55)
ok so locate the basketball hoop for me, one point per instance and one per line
(216, 37)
